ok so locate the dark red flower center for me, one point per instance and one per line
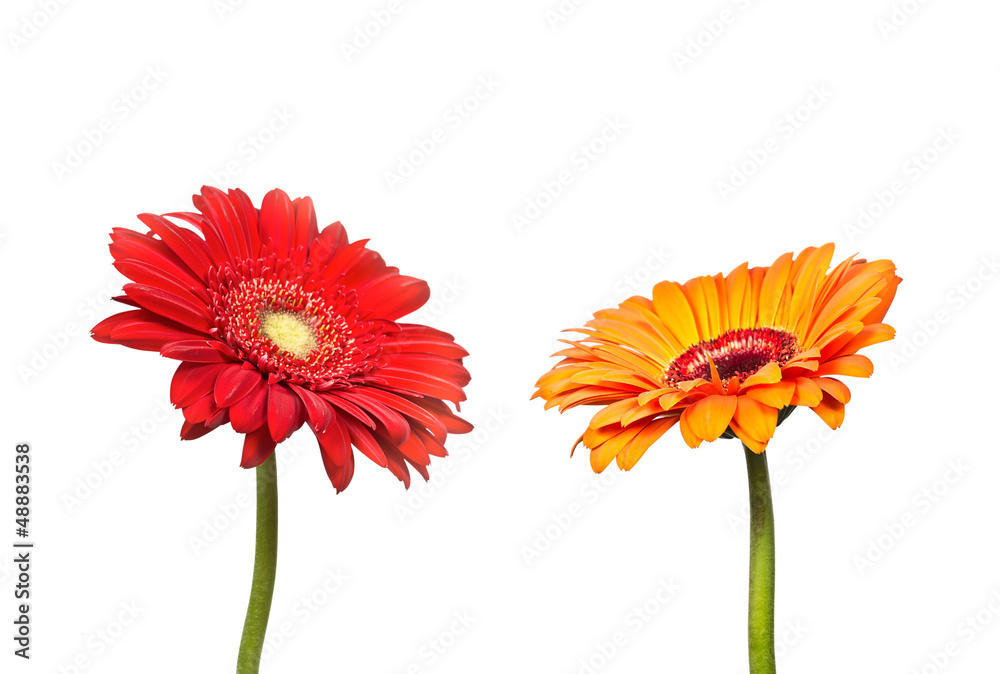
(736, 353)
(311, 336)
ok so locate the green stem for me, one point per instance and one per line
(265, 560)
(761, 620)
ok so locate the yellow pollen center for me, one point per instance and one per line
(288, 331)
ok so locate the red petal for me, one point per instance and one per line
(305, 223)
(219, 208)
(201, 410)
(326, 244)
(340, 474)
(394, 296)
(397, 465)
(192, 381)
(285, 412)
(217, 249)
(453, 423)
(276, 219)
(159, 301)
(411, 409)
(145, 273)
(395, 424)
(437, 366)
(257, 446)
(130, 245)
(421, 339)
(191, 431)
(250, 412)
(335, 443)
(195, 350)
(431, 444)
(350, 408)
(186, 247)
(413, 449)
(318, 411)
(140, 330)
(420, 383)
(234, 384)
(366, 444)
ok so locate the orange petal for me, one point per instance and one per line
(807, 392)
(773, 289)
(777, 395)
(602, 455)
(613, 413)
(831, 411)
(736, 285)
(768, 374)
(672, 307)
(709, 417)
(756, 446)
(690, 438)
(647, 436)
(671, 399)
(813, 266)
(642, 412)
(887, 294)
(757, 419)
(649, 395)
(836, 388)
(870, 334)
(723, 300)
(851, 366)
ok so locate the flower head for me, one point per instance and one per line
(724, 355)
(278, 324)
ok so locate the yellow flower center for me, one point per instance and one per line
(289, 331)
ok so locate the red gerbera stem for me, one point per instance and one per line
(264, 566)
(761, 615)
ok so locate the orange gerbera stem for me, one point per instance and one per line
(761, 618)
(265, 563)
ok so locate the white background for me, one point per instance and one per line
(647, 206)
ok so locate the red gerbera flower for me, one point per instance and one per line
(278, 324)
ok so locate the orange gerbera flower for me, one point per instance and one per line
(724, 355)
